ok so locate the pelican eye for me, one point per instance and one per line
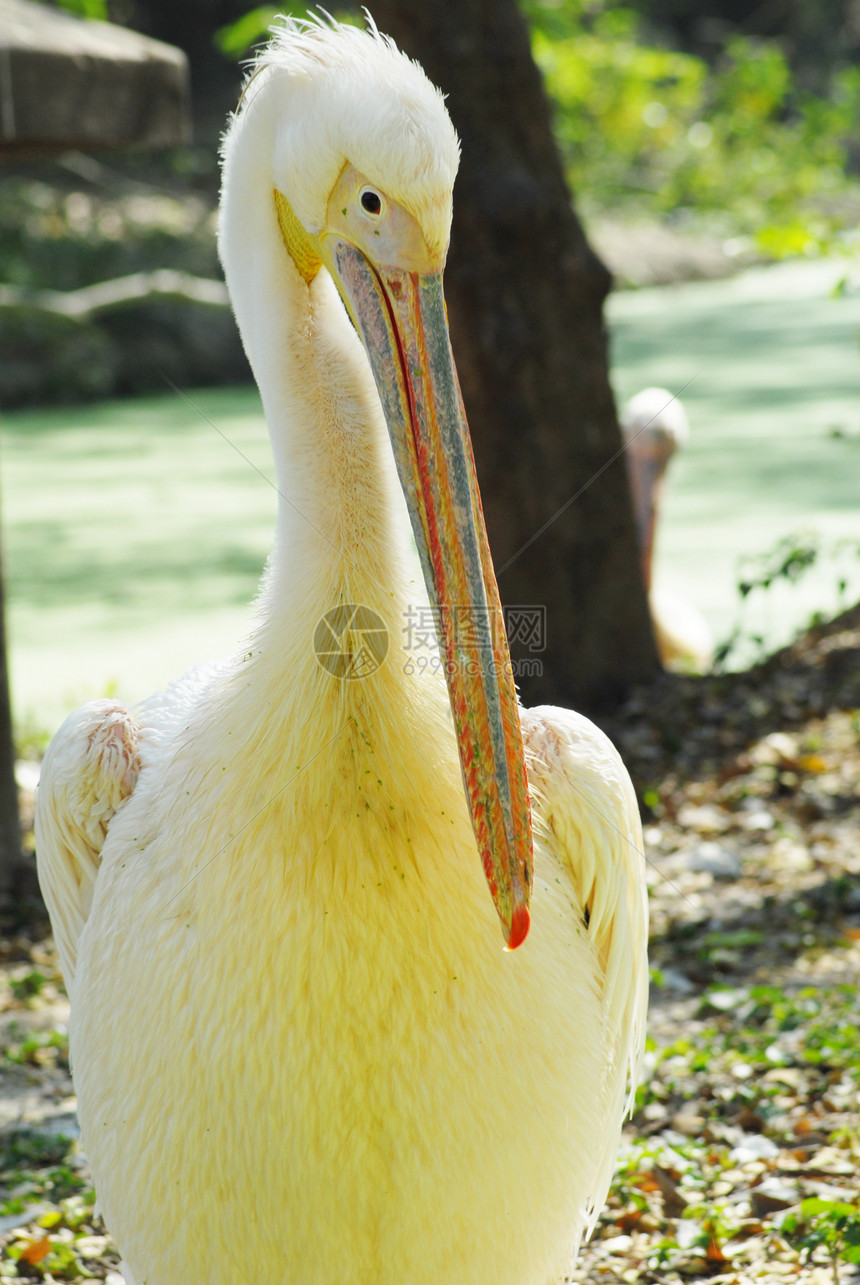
(371, 202)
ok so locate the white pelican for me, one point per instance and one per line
(654, 425)
(300, 1051)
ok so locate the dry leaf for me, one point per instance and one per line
(36, 1252)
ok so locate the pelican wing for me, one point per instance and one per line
(88, 773)
(586, 808)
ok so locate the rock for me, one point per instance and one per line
(772, 1195)
(12, 1221)
(91, 1246)
(775, 750)
(56, 351)
(674, 980)
(706, 819)
(753, 1146)
(761, 819)
(712, 858)
(618, 1244)
(689, 1124)
(789, 856)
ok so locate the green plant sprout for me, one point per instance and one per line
(787, 562)
(831, 1225)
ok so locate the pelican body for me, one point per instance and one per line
(301, 1050)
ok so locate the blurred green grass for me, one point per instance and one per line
(135, 536)
(135, 532)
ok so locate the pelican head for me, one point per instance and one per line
(362, 157)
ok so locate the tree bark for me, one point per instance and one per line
(525, 295)
(10, 821)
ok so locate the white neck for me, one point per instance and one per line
(342, 532)
(311, 743)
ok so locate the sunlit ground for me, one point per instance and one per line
(135, 531)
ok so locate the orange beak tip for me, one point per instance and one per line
(520, 924)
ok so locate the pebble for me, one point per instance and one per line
(714, 859)
(617, 1244)
(775, 749)
(787, 855)
(689, 1124)
(91, 1246)
(674, 980)
(687, 1232)
(771, 1195)
(759, 820)
(703, 818)
(11, 1221)
(753, 1146)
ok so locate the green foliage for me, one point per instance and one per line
(766, 1019)
(787, 562)
(26, 987)
(622, 109)
(26, 1148)
(648, 130)
(831, 1225)
(86, 8)
(41, 1048)
(653, 131)
(792, 556)
(60, 1245)
(58, 240)
(752, 1031)
(236, 38)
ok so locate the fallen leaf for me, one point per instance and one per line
(36, 1252)
(714, 1253)
(673, 1202)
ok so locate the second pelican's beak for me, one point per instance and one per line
(646, 468)
(401, 318)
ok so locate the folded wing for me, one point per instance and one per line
(88, 774)
(586, 810)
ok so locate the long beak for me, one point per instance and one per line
(645, 470)
(401, 318)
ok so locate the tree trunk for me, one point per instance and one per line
(10, 823)
(525, 295)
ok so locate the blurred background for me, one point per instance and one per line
(713, 156)
(711, 334)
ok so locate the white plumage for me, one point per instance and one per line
(655, 426)
(299, 1050)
